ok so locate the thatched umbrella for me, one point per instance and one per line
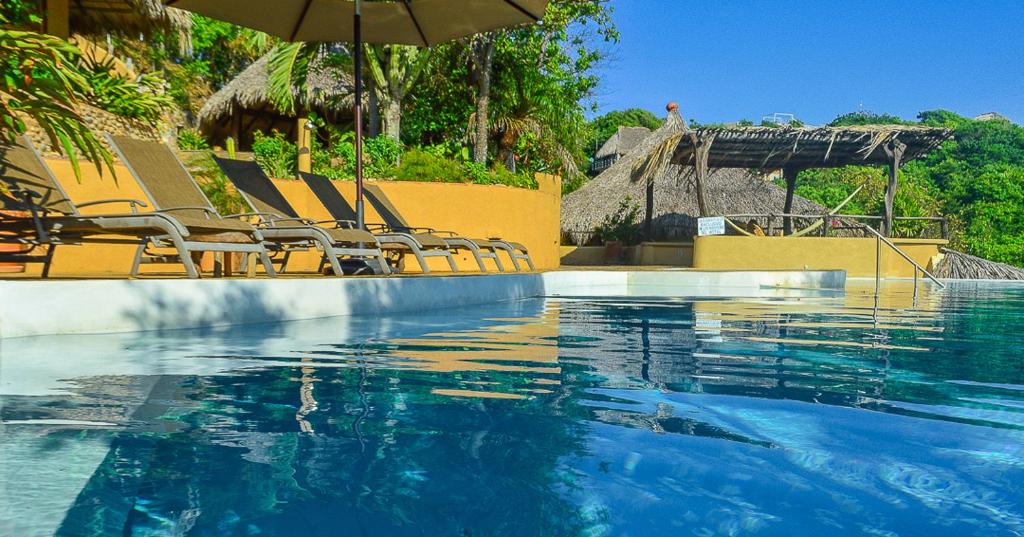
(675, 210)
(91, 17)
(958, 265)
(243, 106)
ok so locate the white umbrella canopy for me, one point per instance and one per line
(398, 22)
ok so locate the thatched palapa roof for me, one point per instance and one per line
(958, 265)
(729, 191)
(90, 17)
(624, 140)
(243, 104)
(773, 148)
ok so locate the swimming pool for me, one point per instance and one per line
(787, 412)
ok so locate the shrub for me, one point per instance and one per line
(419, 165)
(215, 184)
(338, 160)
(275, 154)
(621, 226)
(143, 99)
(380, 155)
(191, 140)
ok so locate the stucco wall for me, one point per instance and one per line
(477, 211)
(855, 255)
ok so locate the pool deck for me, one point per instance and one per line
(33, 307)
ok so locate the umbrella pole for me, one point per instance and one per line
(358, 67)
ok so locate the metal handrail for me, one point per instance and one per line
(879, 239)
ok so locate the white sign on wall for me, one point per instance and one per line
(711, 225)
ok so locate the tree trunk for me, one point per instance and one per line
(393, 118)
(483, 58)
(373, 107)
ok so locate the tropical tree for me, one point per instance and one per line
(562, 49)
(395, 69)
(40, 80)
(481, 55)
(603, 127)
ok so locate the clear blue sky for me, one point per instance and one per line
(724, 60)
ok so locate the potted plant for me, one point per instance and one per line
(619, 230)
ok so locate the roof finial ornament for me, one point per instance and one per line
(672, 106)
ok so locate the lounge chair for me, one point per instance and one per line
(52, 219)
(280, 222)
(480, 248)
(172, 191)
(422, 245)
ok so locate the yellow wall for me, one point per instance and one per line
(530, 217)
(476, 211)
(855, 255)
(675, 254)
(672, 254)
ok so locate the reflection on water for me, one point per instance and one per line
(787, 413)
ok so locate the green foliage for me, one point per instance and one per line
(866, 117)
(337, 159)
(976, 180)
(544, 79)
(21, 14)
(191, 140)
(424, 165)
(215, 184)
(622, 226)
(420, 165)
(39, 79)
(216, 52)
(603, 127)
(143, 99)
(275, 154)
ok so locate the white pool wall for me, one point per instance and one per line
(37, 307)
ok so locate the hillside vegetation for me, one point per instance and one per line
(976, 179)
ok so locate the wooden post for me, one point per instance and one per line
(303, 139)
(58, 18)
(895, 151)
(649, 213)
(700, 166)
(789, 174)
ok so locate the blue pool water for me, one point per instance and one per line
(781, 414)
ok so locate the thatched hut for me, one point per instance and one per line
(90, 17)
(243, 107)
(620, 143)
(675, 210)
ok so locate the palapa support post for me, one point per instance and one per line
(305, 145)
(649, 213)
(57, 18)
(702, 148)
(789, 174)
(895, 150)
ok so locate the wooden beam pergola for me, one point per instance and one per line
(792, 150)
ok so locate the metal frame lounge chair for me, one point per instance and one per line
(480, 248)
(422, 245)
(52, 220)
(280, 222)
(171, 189)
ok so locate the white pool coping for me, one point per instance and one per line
(38, 307)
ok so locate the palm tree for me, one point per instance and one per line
(529, 109)
(40, 81)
